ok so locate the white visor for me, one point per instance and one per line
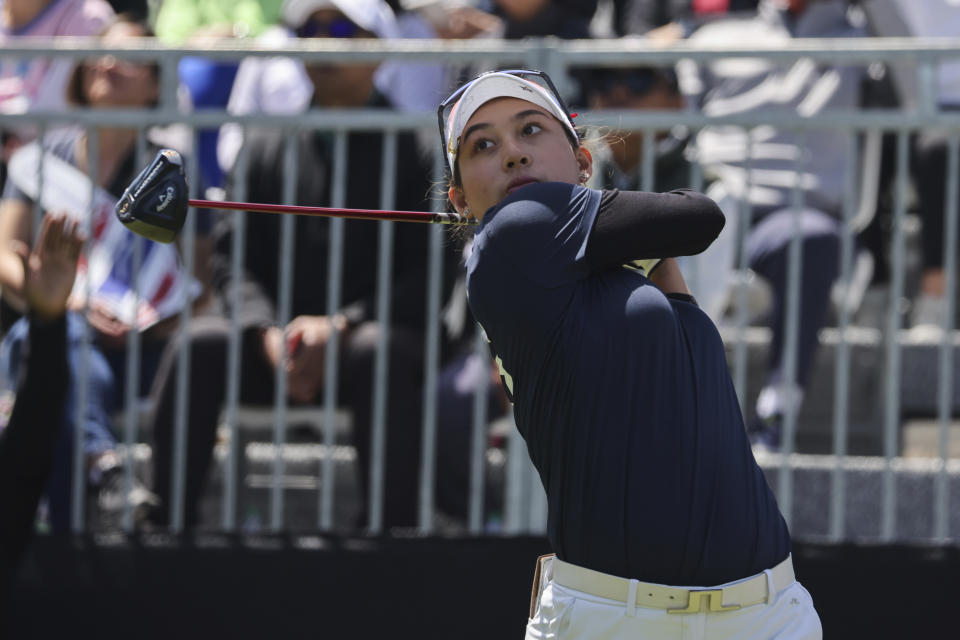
(374, 16)
(498, 85)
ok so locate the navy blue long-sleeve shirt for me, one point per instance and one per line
(621, 392)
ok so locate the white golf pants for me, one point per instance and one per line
(571, 602)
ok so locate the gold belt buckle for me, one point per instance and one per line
(695, 604)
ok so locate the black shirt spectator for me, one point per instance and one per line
(359, 329)
(640, 16)
(532, 18)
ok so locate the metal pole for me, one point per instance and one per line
(183, 372)
(792, 330)
(691, 266)
(478, 440)
(514, 490)
(37, 209)
(431, 364)
(132, 383)
(378, 447)
(892, 387)
(743, 286)
(285, 287)
(82, 388)
(331, 363)
(927, 72)
(841, 388)
(238, 243)
(944, 393)
(648, 174)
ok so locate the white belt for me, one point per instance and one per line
(735, 595)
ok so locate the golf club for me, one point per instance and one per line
(155, 204)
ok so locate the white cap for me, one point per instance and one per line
(375, 16)
(498, 85)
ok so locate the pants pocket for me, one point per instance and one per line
(552, 615)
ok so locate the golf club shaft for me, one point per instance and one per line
(359, 214)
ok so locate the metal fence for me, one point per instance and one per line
(887, 490)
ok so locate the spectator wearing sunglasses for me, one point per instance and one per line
(416, 85)
(210, 81)
(285, 86)
(326, 23)
(538, 18)
(344, 86)
(621, 160)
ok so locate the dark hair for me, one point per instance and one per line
(75, 94)
(639, 80)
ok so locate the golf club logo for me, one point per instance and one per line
(166, 198)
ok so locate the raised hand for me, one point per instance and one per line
(50, 268)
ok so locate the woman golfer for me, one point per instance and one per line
(661, 520)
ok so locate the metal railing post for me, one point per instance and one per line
(81, 386)
(791, 338)
(379, 437)
(338, 199)
(891, 422)
(285, 303)
(941, 498)
(238, 244)
(434, 285)
(132, 382)
(180, 445)
(838, 486)
(478, 439)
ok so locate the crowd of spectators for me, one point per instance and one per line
(750, 173)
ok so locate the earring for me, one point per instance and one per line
(584, 176)
(466, 212)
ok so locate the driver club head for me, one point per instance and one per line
(155, 203)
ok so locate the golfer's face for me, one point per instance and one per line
(509, 143)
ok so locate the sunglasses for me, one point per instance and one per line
(537, 77)
(118, 67)
(336, 28)
(638, 82)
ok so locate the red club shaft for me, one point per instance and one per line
(359, 214)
